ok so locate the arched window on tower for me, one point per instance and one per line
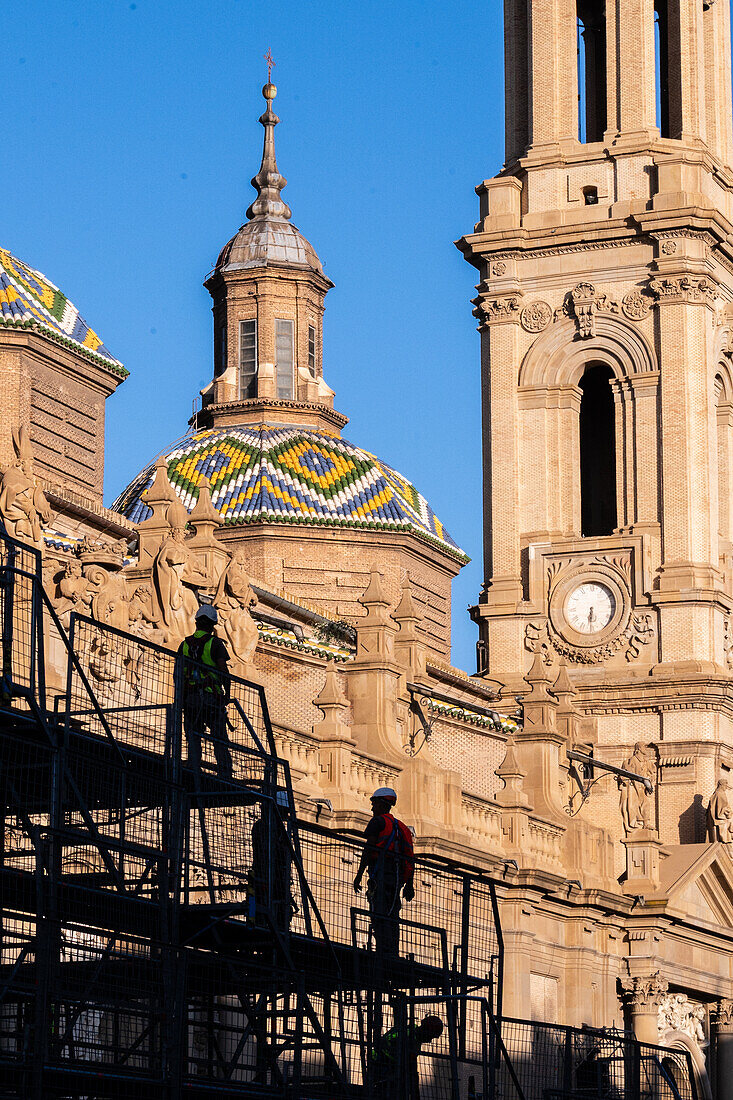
(597, 452)
(724, 419)
(661, 60)
(591, 69)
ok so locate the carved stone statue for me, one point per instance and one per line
(22, 504)
(142, 619)
(233, 599)
(678, 1013)
(174, 571)
(75, 592)
(720, 813)
(637, 805)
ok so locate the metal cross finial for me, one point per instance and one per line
(270, 65)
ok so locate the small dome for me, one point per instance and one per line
(292, 474)
(266, 241)
(29, 300)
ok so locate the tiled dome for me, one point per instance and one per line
(29, 300)
(292, 475)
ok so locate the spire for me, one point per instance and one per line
(268, 183)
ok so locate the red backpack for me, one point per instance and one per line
(395, 842)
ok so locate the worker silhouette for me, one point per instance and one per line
(271, 874)
(389, 860)
(395, 1058)
(206, 687)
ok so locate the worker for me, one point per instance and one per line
(388, 857)
(395, 1060)
(206, 688)
(271, 874)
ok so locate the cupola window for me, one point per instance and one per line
(247, 359)
(284, 363)
(312, 349)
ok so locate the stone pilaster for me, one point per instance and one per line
(723, 1018)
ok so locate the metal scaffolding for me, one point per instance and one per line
(169, 929)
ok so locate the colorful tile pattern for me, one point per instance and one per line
(291, 475)
(27, 298)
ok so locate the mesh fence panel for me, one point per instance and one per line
(558, 1063)
(19, 616)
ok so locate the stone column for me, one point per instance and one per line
(553, 99)
(631, 69)
(644, 995)
(724, 1050)
(716, 55)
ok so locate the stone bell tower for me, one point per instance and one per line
(605, 253)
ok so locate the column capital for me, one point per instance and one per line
(722, 1013)
(644, 994)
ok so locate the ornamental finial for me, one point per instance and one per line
(268, 183)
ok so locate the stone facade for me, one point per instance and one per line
(600, 801)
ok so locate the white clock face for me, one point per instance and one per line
(590, 607)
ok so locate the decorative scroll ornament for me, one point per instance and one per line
(585, 305)
(639, 632)
(535, 317)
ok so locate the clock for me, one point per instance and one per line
(589, 607)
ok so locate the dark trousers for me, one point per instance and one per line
(384, 905)
(205, 711)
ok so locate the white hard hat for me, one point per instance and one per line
(206, 611)
(386, 793)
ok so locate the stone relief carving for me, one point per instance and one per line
(233, 599)
(637, 805)
(678, 1013)
(720, 813)
(585, 305)
(639, 632)
(635, 306)
(535, 317)
(23, 506)
(584, 302)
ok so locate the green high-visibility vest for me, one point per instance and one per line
(207, 678)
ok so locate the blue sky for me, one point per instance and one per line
(130, 135)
